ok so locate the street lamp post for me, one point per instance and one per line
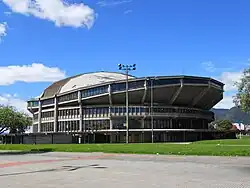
(127, 68)
(151, 110)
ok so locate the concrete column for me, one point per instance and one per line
(55, 114)
(110, 124)
(145, 92)
(142, 123)
(171, 123)
(142, 127)
(110, 120)
(81, 118)
(110, 95)
(80, 112)
(39, 116)
(33, 121)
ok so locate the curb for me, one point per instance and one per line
(2, 152)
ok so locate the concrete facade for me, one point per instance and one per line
(165, 107)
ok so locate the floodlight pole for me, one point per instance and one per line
(151, 111)
(127, 113)
(127, 68)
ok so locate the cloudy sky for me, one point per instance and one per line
(42, 41)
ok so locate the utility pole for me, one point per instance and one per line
(152, 109)
(127, 68)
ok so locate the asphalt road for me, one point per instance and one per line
(113, 170)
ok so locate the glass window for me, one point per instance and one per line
(94, 91)
(116, 110)
(118, 87)
(47, 102)
(194, 81)
(165, 82)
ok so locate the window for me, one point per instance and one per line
(35, 117)
(135, 85)
(118, 87)
(68, 97)
(94, 91)
(165, 82)
(48, 102)
(33, 103)
(194, 81)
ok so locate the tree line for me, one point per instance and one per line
(13, 120)
(241, 100)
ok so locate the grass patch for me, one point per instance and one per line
(208, 148)
(245, 141)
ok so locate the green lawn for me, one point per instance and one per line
(243, 141)
(239, 147)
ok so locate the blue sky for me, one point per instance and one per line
(39, 44)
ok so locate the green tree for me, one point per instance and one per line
(12, 120)
(242, 98)
(223, 125)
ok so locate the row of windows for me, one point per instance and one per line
(194, 81)
(164, 82)
(68, 113)
(138, 110)
(161, 124)
(47, 114)
(104, 112)
(90, 125)
(120, 87)
(68, 97)
(96, 124)
(47, 127)
(33, 103)
(121, 110)
(176, 124)
(94, 91)
(131, 85)
(68, 126)
(48, 102)
(177, 81)
(94, 112)
(64, 126)
(181, 111)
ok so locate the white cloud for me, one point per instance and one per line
(128, 11)
(12, 100)
(229, 79)
(226, 103)
(57, 11)
(248, 62)
(209, 66)
(3, 30)
(30, 73)
(7, 13)
(113, 2)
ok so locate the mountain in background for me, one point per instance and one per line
(234, 114)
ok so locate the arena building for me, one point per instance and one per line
(91, 108)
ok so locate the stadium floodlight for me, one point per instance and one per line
(120, 66)
(127, 68)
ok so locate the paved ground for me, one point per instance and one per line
(112, 171)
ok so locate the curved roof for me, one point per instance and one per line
(81, 81)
